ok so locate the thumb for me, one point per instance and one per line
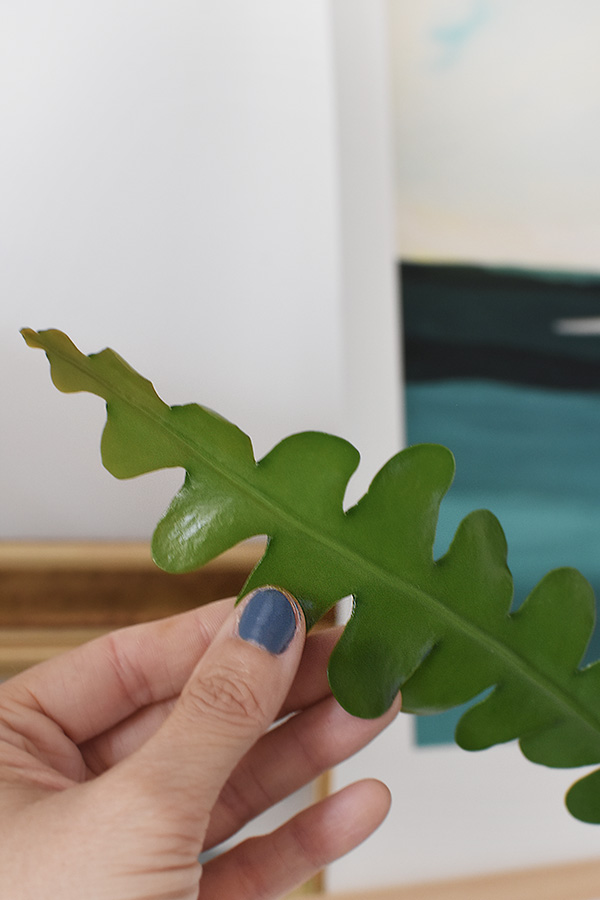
(230, 700)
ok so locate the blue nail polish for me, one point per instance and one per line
(268, 620)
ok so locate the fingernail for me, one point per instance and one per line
(268, 620)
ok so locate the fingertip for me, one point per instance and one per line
(354, 813)
(396, 706)
(294, 852)
(375, 797)
(270, 618)
(230, 699)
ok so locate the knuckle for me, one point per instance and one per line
(311, 846)
(242, 795)
(228, 696)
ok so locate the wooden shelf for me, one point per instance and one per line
(107, 585)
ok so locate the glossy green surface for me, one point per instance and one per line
(439, 629)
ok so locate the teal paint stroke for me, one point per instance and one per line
(439, 729)
(530, 455)
(452, 38)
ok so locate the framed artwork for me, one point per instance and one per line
(504, 368)
(497, 192)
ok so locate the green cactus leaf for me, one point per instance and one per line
(441, 630)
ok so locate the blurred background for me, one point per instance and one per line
(373, 217)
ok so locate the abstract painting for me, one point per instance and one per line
(497, 135)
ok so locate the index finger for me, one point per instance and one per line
(104, 683)
(93, 687)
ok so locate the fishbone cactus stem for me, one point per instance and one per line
(440, 630)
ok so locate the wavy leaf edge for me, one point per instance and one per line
(441, 630)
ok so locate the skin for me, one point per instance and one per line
(124, 759)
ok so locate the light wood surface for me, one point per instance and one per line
(107, 584)
(107, 555)
(574, 881)
(56, 595)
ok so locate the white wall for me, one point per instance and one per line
(206, 186)
(170, 187)
(171, 180)
(371, 344)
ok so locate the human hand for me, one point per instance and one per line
(124, 759)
